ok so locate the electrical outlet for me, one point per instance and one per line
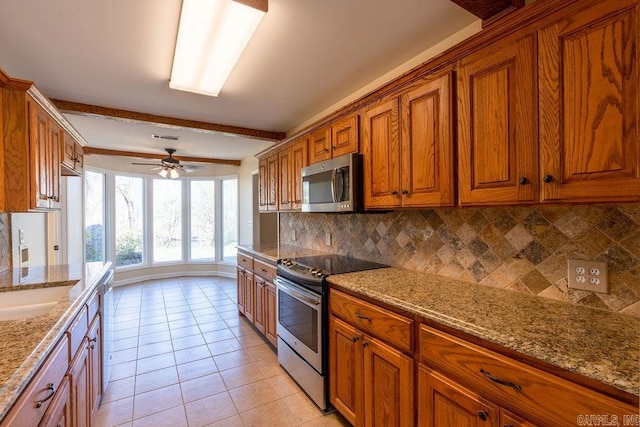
(588, 275)
(293, 235)
(327, 239)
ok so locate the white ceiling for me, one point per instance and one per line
(305, 56)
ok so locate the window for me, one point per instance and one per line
(202, 211)
(94, 217)
(167, 220)
(129, 207)
(155, 221)
(229, 218)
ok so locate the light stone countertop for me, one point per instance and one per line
(597, 344)
(25, 343)
(275, 252)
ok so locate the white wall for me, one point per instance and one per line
(245, 200)
(35, 237)
(75, 220)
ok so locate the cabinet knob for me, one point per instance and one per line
(394, 192)
(548, 178)
(365, 344)
(483, 415)
(355, 339)
(326, 150)
(524, 180)
(405, 191)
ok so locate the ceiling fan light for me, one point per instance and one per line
(211, 38)
(163, 173)
(173, 174)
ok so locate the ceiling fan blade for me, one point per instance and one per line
(156, 168)
(146, 164)
(192, 167)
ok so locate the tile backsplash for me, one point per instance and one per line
(524, 249)
(5, 242)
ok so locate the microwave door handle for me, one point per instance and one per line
(333, 185)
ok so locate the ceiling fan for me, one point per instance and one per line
(170, 167)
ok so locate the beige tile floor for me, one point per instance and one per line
(184, 357)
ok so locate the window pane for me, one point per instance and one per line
(129, 223)
(94, 216)
(202, 220)
(229, 218)
(167, 220)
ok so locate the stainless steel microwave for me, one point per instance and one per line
(333, 185)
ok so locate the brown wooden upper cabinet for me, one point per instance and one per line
(333, 141)
(284, 187)
(408, 148)
(72, 156)
(589, 92)
(299, 159)
(497, 125)
(31, 154)
(268, 186)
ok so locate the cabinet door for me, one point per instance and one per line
(95, 367)
(270, 313)
(53, 163)
(507, 419)
(298, 161)
(497, 126)
(38, 144)
(67, 150)
(344, 136)
(258, 315)
(442, 402)
(320, 145)
(59, 412)
(345, 370)
(272, 182)
(80, 387)
(284, 183)
(241, 290)
(249, 296)
(589, 91)
(79, 158)
(381, 155)
(388, 385)
(427, 145)
(263, 187)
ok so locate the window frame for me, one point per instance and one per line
(147, 219)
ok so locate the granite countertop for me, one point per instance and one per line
(275, 252)
(26, 342)
(597, 344)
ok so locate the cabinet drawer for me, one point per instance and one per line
(44, 385)
(377, 321)
(245, 261)
(514, 385)
(264, 270)
(93, 305)
(77, 331)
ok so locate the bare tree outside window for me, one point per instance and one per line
(129, 223)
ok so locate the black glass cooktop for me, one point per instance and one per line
(337, 264)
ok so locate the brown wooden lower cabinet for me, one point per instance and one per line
(59, 412)
(371, 382)
(372, 361)
(257, 294)
(95, 364)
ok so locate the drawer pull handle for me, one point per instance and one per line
(53, 391)
(360, 316)
(499, 381)
(263, 270)
(483, 415)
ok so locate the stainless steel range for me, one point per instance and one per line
(303, 318)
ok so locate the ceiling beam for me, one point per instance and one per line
(105, 152)
(489, 10)
(163, 121)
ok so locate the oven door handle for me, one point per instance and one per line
(311, 302)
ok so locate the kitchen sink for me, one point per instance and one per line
(30, 302)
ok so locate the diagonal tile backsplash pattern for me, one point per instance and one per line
(524, 249)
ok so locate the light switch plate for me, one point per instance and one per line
(588, 275)
(327, 239)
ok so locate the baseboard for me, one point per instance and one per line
(231, 275)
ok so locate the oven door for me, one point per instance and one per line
(300, 321)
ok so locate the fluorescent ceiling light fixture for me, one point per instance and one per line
(211, 38)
